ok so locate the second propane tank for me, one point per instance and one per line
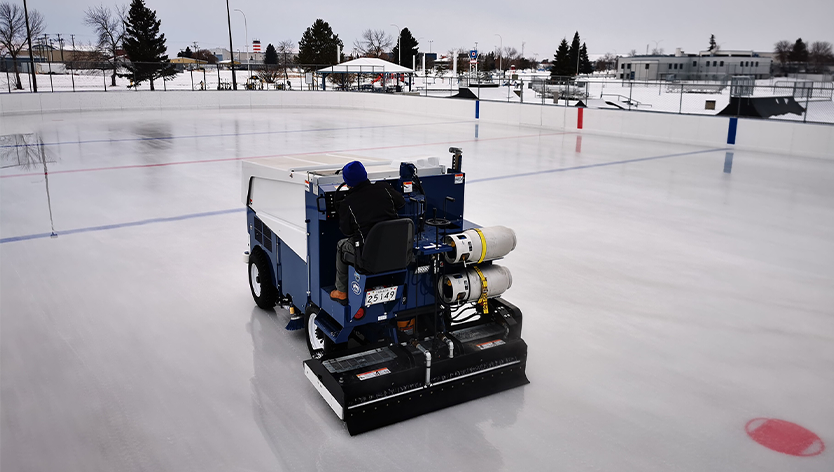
(467, 286)
(479, 245)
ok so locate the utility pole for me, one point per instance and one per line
(61, 45)
(47, 41)
(231, 49)
(29, 41)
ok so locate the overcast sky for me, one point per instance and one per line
(614, 26)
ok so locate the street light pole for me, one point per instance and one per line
(501, 54)
(231, 48)
(399, 45)
(656, 44)
(246, 46)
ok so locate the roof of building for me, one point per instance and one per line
(187, 60)
(366, 65)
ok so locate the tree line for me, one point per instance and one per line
(797, 56)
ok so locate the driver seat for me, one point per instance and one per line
(388, 247)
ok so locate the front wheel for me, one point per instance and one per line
(260, 281)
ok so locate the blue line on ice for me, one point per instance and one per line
(589, 166)
(237, 210)
(121, 225)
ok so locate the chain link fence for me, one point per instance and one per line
(774, 99)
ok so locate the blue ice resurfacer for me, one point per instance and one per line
(424, 327)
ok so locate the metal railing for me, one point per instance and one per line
(792, 100)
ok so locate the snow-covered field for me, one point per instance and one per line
(602, 92)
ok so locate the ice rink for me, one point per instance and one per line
(672, 294)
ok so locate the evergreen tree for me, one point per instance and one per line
(410, 48)
(561, 61)
(271, 55)
(186, 53)
(318, 46)
(799, 53)
(574, 53)
(145, 46)
(713, 46)
(585, 66)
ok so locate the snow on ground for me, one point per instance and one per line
(643, 96)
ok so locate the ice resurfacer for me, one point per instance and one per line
(425, 326)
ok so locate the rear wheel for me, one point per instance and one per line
(260, 280)
(317, 342)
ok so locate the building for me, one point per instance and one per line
(242, 57)
(705, 65)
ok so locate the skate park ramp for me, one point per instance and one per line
(762, 107)
(677, 300)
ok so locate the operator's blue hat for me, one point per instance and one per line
(354, 173)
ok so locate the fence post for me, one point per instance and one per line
(104, 76)
(630, 88)
(72, 75)
(680, 105)
(8, 81)
(805, 115)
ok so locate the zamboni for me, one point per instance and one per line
(424, 326)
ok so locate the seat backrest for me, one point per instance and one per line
(388, 247)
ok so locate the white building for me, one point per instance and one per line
(705, 65)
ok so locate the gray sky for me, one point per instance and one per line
(605, 25)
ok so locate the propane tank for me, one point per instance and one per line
(479, 245)
(466, 286)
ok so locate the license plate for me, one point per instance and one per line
(380, 295)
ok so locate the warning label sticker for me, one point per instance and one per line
(407, 187)
(458, 178)
(374, 373)
(489, 344)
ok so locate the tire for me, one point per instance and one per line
(317, 342)
(260, 280)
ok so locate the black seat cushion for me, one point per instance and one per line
(388, 247)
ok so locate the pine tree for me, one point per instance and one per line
(186, 53)
(799, 53)
(145, 46)
(410, 48)
(561, 61)
(318, 46)
(574, 53)
(271, 55)
(585, 65)
(713, 46)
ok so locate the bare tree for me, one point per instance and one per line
(782, 50)
(285, 52)
(606, 62)
(13, 32)
(820, 55)
(659, 51)
(632, 53)
(374, 43)
(109, 26)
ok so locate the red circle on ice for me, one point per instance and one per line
(785, 437)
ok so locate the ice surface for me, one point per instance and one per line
(667, 301)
